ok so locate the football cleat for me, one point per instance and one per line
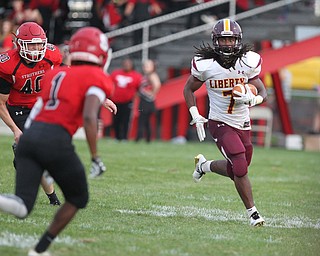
(34, 253)
(14, 205)
(97, 168)
(199, 160)
(256, 220)
(55, 202)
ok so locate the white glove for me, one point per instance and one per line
(247, 98)
(199, 121)
(97, 167)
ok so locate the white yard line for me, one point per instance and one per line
(276, 221)
(27, 241)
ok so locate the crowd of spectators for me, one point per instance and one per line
(46, 13)
(107, 15)
(117, 13)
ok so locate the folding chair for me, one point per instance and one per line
(261, 125)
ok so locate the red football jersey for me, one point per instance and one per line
(126, 85)
(25, 78)
(64, 93)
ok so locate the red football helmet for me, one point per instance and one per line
(226, 28)
(89, 44)
(31, 41)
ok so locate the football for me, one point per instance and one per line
(242, 89)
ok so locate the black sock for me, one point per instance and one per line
(53, 198)
(44, 242)
(53, 194)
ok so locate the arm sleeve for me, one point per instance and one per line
(94, 90)
(5, 86)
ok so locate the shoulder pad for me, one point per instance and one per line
(51, 47)
(4, 57)
(53, 53)
(201, 65)
(252, 59)
(9, 60)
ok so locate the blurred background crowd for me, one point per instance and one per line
(60, 18)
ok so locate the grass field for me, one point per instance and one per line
(147, 204)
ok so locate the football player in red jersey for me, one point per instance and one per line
(21, 70)
(220, 68)
(71, 97)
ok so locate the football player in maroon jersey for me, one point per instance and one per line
(220, 68)
(71, 97)
(21, 70)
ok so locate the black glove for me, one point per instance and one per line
(97, 167)
(14, 147)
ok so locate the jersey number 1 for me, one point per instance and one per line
(56, 82)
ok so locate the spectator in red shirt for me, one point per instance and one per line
(127, 81)
(110, 13)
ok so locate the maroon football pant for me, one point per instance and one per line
(235, 145)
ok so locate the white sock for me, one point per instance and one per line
(206, 166)
(251, 211)
(14, 205)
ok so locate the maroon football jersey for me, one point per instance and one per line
(25, 78)
(64, 92)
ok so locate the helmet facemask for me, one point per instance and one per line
(28, 52)
(227, 50)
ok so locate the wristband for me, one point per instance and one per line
(258, 99)
(194, 112)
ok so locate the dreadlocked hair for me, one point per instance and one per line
(205, 51)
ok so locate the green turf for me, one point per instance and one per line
(147, 204)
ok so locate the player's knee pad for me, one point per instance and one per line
(239, 165)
